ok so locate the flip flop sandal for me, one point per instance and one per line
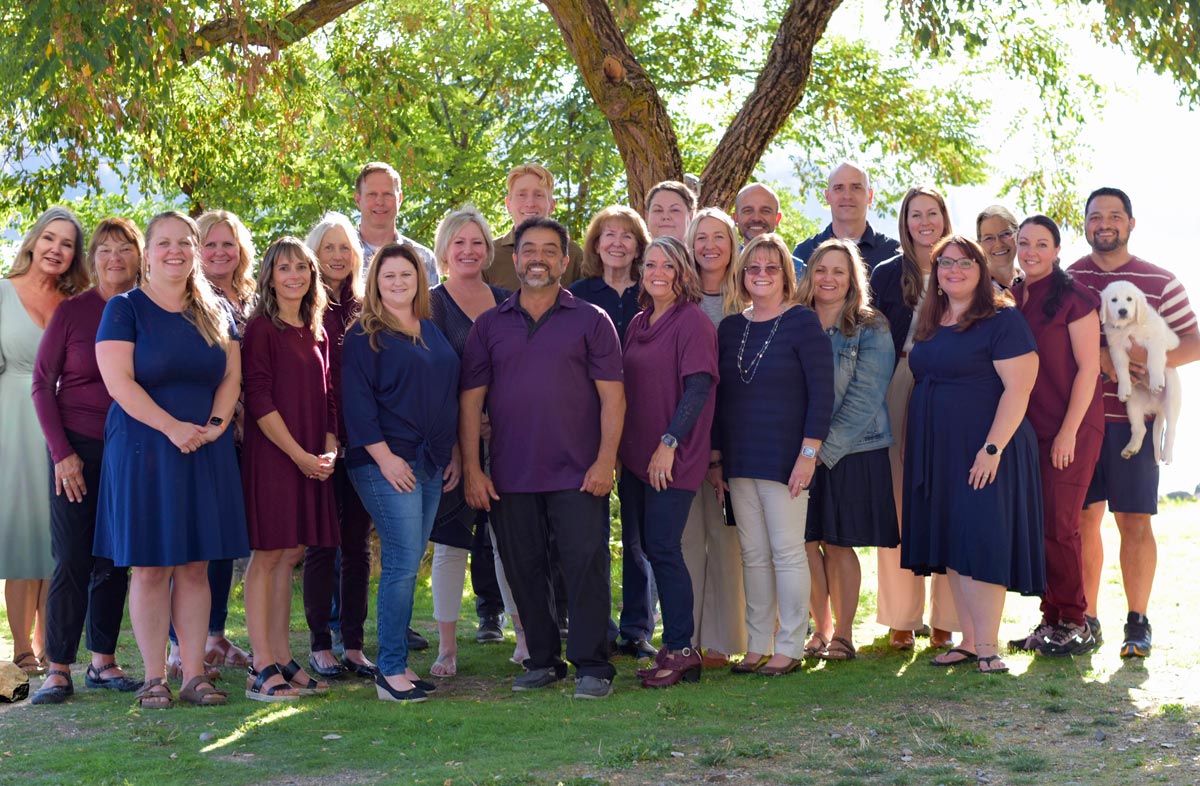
(444, 666)
(844, 651)
(155, 695)
(989, 660)
(812, 650)
(968, 657)
(200, 692)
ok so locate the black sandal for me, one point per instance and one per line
(989, 660)
(256, 690)
(968, 657)
(54, 694)
(124, 683)
(312, 688)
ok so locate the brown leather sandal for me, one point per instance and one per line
(155, 694)
(200, 692)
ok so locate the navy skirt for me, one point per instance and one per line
(852, 504)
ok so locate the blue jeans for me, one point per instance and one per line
(403, 522)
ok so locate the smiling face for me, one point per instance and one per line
(540, 259)
(848, 195)
(999, 242)
(54, 249)
(528, 197)
(291, 278)
(667, 214)
(335, 256)
(467, 253)
(831, 278)
(219, 252)
(378, 199)
(713, 246)
(1107, 224)
(925, 222)
(170, 251)
(956, 280)
(617, 246)
(764, 276)
(757, 212)
(1037, 251)
(116, 261)
(397, 279)
(659, 276)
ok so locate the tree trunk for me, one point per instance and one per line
(621, 89)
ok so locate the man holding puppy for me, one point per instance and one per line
(1128, 486)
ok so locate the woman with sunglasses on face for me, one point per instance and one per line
(1066, 410)
(850, 503)
(972, 501)
(774, 404)
(996, 231)
(71, 404)
(670, 363)
(898, 288)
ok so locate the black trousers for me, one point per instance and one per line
(579, 523)
(488, 600)
(82, 587)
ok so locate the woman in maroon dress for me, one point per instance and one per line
(287, 457)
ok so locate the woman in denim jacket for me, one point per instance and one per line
(850, 501)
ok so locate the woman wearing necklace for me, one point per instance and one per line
(710, 548)
(613, 250)
(774, 405)
(972, 488)
(170, 494)
(670, 363)
(898, 288)
(227, 258)
(463, 248)
(290, 449)
(850, 502)
(335, 243)
(400, 385)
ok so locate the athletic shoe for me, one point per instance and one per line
(1068, 639)
(592, 687)
(1093, 624)
(1034, 641)
(536, 678)
(1137, 637)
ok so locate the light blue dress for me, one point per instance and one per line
(24, 477)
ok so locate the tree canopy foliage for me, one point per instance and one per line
(269, 107)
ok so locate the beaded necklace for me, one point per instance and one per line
(747, 374)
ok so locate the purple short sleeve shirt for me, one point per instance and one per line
(542, 397)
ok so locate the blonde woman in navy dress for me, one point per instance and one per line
(287, 457)
(170, 494)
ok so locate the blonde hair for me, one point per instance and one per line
(537, 170)
(449, 227)
(857, 309)
(76, 277)
(317, 236)
(375, 318)
(312, 305)
(768, 242)
(242, 279)
(202, 306)
(729, 296)
(593, 266)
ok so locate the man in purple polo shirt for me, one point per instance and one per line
(548, 367)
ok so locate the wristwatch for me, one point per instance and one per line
(990, 449)
(670, 441)
(215, 421)
(808, 452)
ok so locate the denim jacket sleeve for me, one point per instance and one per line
(863, 406)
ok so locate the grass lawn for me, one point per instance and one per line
(886, 718)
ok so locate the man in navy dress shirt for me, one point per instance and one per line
(849, 195)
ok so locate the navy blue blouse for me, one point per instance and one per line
(621, 309)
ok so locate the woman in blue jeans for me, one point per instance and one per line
(400, 394)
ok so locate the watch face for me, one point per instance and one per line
(808, 452)
(991, 449)
(670, 441)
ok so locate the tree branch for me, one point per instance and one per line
(271, 34)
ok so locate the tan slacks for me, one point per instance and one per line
(713, 556)
(901, 593)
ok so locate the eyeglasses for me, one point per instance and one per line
(1006, 236)
(945, 263)
(758, 270)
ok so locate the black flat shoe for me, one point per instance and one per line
(416, 641)
(334, 672)
(54, 694)
(386, 692)
(638, 648)
(125, 684)
(425, 685)
(364, 670)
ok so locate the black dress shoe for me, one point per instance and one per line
(54, 694)
(416, 641)
(491, 629)
(365, 670)
(334, 672)
(386, 692)
(638, 648)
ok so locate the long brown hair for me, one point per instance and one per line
(985, 300)
(911, 279)
(202, 306)
(375, 318)
(686, 286)
(76, 278)
(857, 309)
(314, 302)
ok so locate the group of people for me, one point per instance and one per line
(762, 412)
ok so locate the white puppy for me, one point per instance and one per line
(1128, 318)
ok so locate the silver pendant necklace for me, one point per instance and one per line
(747, 374)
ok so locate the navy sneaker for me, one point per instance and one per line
(1068, 639)
(1137, 637)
